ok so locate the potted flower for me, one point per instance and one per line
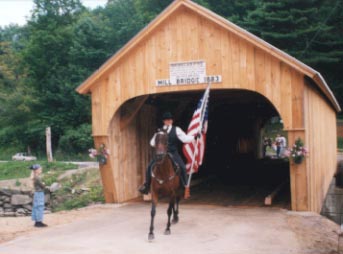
(101, 154)
(298, 152)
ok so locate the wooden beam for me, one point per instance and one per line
(130, 111)
(269, 199)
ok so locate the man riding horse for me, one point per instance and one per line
(175, 134)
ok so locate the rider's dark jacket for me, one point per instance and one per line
(176, 134)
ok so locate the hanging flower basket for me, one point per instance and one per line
(298, 160)
(297, 152)
(100, 155)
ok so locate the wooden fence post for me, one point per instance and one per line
(48, 144)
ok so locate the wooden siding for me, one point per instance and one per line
(130, 153)
(320, 123)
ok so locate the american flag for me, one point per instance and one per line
(197, 125)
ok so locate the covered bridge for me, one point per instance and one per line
(167, 66)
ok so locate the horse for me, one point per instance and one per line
(165, 181)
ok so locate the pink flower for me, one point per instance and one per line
(287, 153)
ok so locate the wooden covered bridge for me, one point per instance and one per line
(167, 66)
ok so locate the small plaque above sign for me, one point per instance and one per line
(188, 73)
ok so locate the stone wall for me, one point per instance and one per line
(18, 203)
(333, 203)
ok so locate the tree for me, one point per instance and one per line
(233, 10)
(15, 98)
(309, 30)
(47, 59)
(297, 27)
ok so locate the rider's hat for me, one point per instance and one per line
(35, 167)
(167, 115)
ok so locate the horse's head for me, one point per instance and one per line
(161, 145)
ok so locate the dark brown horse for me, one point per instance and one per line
(165, 181)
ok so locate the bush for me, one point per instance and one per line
(77, 140)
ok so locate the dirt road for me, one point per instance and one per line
(202, 229)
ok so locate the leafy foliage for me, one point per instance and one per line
(78, 139)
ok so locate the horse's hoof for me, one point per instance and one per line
(175, 220)
(151, 237)
(167, 232)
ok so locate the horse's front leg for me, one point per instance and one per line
(176, 211)
(153, 213)
(169, 212)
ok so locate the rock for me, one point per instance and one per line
(9, 214)
(85, 189)
(5, 192)
(19, 199)
(55, 186)
(7, 206)
(20, 212)
(28, 207)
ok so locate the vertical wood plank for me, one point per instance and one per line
(226, 59)
(297, 92)
(235, 62)
(276, 83)
(250, 69)
(260, 72)
(285, 96)
(243, 64)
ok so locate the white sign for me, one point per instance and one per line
(188, 73)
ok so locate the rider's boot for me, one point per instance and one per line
(144, 189)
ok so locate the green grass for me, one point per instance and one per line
(20, 169)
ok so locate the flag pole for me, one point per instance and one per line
(187, 189)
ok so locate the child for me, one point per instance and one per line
(38, 197)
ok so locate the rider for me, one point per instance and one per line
(174, 135)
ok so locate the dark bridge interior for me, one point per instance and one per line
(233, 172)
